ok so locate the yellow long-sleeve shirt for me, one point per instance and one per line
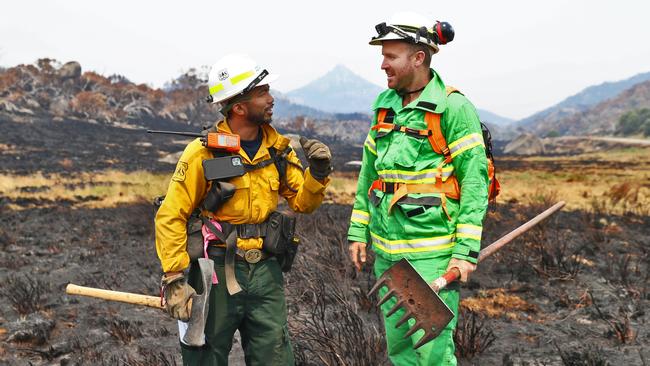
(256, 196)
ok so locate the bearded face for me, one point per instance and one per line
(259, 105)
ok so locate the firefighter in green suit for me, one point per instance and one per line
(413, 202)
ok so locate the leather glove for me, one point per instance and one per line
(178, 296)
(319, 157)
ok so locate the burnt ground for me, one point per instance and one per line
(71, 146)
(574, 291)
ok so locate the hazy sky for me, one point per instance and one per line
(510, 57)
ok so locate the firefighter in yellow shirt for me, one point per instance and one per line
(245, 202)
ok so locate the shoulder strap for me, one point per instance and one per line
(450, 89)
(385, 115)
(437, 138)
(280, 160)
(381, 115)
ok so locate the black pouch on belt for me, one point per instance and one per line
(286, 259)
(279, 239)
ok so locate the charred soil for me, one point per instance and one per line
(573, 291)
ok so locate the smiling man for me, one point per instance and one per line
(247, 239)
(422, 189)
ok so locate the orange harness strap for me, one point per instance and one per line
(448, 188)
(433, 133)
(436, 138)
(404, 129)
(381, 116)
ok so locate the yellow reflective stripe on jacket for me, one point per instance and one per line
(465, 143)
(361, 217)
(370, 144)
(412, 245)
(469, 231)
(422, 176)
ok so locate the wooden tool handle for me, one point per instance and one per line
(454, 273)
(151, 301)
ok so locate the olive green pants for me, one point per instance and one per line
(441, 350)
(259, 312)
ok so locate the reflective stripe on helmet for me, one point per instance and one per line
(217, 88)
(233, 81)
(236, 79)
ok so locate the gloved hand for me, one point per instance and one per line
(466, 268)
(319, 157)
(178, 296)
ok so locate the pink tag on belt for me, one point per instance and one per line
(207, 237)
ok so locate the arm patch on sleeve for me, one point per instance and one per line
(179, 173)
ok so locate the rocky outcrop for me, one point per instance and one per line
(70, 70)
(525, 144)
(49, 89)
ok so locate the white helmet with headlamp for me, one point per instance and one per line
(414, 28)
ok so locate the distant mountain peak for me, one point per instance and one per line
(339, 90)
(341, 68)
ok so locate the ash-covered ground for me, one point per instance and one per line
(574, 291)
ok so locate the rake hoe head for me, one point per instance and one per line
(418, 300)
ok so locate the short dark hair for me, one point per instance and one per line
(229, 103)
(417, 47)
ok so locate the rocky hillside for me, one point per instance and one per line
(64, 91)
(48, 90)
(601, 119)
(583, 101)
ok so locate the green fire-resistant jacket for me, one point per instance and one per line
(414, 229)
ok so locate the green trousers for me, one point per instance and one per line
(440, 351)
(259, 312)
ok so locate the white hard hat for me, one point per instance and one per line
(233, 75)
(415, 28)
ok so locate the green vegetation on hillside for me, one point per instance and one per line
(634, 122)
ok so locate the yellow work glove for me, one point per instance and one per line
(319, 157)
(178, 296)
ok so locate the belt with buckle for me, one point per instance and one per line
(251, 256)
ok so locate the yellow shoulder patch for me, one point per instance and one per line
(179, 173)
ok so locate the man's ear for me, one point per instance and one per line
(239, 109)
(419, 58)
